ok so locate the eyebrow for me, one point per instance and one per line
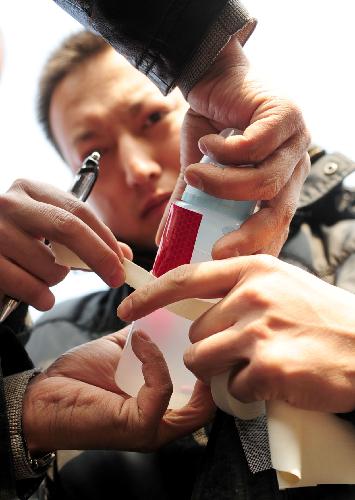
(84, 136)
(133, 109)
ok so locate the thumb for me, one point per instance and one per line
(193, 128)
(196, 413)
(176, 195)
(153, 397)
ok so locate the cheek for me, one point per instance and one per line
(111, 202)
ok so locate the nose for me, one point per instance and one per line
(139, 166)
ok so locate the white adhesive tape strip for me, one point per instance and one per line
(191, 309)
(136, 277)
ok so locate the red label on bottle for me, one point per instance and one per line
(178, 240)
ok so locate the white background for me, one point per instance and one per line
(303, 48)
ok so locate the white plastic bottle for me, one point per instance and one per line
(193, 226)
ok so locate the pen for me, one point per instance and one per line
(83, 183)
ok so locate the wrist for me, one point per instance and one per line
(234, 22)
(34, 427)
(26, 465)
(224, 90)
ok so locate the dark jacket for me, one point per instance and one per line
(13, 359)
(162, 38)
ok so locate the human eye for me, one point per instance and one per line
(153, 118)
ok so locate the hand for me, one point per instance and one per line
(76, 404)
(274, 140)
(32, 212)
(285, 334)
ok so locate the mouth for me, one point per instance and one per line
(155, 204)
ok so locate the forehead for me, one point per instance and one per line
(103, 83)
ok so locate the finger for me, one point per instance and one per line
(266, 231)
(57, 224)
(126, 250)
(18, 284)
(119, 338)
(217, 354)
(153, 397)
(261, 182)
(176, 195)
(203, 280)
(268, 131)
(32, 255)
(223, 315)
(197, 412)
(252, 384)
(194, 127)
(47, 194)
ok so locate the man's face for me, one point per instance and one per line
(108, 106)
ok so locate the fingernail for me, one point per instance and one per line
(117, 277)
(203, 148)
(194, 180)
(124, 310)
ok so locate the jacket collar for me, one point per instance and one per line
(327, 171)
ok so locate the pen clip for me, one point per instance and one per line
(86, 177)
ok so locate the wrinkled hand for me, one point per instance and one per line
(31, 212)
(76, 404)
(275, 140)
(285, 334)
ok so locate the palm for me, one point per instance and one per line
(93, 363)
(80, 406)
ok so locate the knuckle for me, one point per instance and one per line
(75, 207)
(140, 297)
(8, 202)
(264, 262)
(257, 331)
(181, 276)
(64, 223)
(267, 374)
(270, 186)
(22, 185)
(253, 296)
(288, 211)
(295, 115)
